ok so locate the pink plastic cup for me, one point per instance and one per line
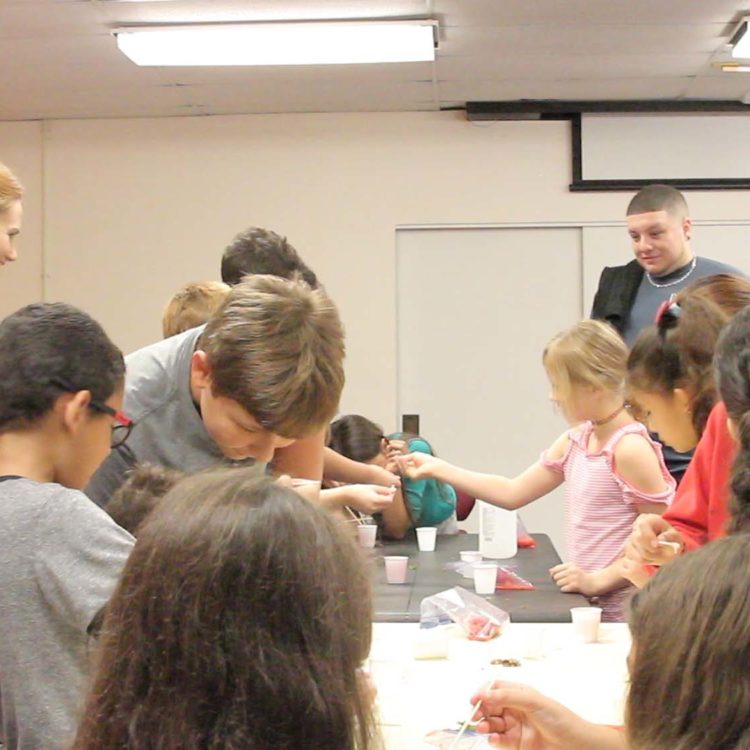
(367, 533)
(395, 568)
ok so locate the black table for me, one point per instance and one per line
(427, 576)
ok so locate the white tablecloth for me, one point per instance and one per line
(417, 696)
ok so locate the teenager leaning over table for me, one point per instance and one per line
(612, 469)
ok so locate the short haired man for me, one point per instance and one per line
(660, 228)
(261, 251)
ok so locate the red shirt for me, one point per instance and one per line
(700, 509)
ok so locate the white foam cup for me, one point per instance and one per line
(586, 623)
(395, 568)
(485, 577)
(367, 533)
(426, 538)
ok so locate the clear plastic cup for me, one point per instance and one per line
(395, 568)
(586, 623)
(367, 533)
(426, 538)
(485, 577)
(471, 556)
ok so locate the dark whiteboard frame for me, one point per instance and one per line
(551, 109)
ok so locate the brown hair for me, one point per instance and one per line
(730, 293)
(10, 188)
(192, 306)
(689, 681)
(590, 353)
(277, 348)
(677, 352)
(658, 198)
(733, 380)
(145, 486)
(240, 621)
(261, 251)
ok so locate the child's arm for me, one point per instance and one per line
(396, 519)
(530, 485)
(342, 469)
(303, 458)
(366, 498)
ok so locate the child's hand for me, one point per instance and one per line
(396, 448)
(634, 572)
(384, 477)
(418, 465)
(572, 580)
(643, 546)
(369, 498)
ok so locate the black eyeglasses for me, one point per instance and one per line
(123, 424)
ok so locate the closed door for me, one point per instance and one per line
(476, 308)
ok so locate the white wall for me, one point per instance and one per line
(133, 208)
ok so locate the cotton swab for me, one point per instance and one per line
(470, 717)
(464, 726)
(674, 546)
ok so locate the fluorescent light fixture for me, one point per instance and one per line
(734, 68)
(297, 43)
(740, 40)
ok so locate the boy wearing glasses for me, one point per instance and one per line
(61, 383)
(258, 384)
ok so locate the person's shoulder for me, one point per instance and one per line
(709, 267)
(153, 372)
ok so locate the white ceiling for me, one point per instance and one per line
(59, 60)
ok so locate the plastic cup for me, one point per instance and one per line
(367, 533)
(485, 577)
(395, 568)
(471, 556)
(426, 537)
(586, 623)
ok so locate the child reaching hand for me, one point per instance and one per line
(612, 469)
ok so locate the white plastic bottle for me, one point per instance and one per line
(497, 532)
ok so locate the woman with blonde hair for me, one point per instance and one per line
(11, 213)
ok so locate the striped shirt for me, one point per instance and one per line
(600, 506)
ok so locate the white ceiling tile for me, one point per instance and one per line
(59, 58)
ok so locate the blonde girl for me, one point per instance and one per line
(613, 471)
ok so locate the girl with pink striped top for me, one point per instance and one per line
(612, 469)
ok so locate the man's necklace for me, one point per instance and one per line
(676, 281)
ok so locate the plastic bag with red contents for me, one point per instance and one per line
(523, 538)
(509, 580)
(480, 620)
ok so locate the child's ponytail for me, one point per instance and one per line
(733, 379)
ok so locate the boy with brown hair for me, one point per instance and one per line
(258, 384)
(192, 305)
(61, 383)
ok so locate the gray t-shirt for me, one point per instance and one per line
(649, 297)
(60, 558)
(168, 428)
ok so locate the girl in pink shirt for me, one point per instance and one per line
(612, 469)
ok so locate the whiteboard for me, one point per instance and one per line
(665, 146)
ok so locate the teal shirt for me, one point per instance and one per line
(430, 501)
